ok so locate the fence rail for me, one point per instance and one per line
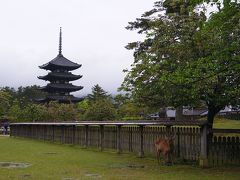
(227, 131)
(190, 138)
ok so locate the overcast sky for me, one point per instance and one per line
(94, 35)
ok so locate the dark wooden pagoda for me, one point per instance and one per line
(59, 88)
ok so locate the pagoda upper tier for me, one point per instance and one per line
(67, 76)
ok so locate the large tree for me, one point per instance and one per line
(185, 57)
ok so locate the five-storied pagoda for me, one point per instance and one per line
(59, 76)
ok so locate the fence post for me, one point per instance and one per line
(168, 130)
(178, 142)
(119, 148)
(44, 132)
(53, 133)
(11, 132)
(130, 146)
(62, 134)
(86, 136)
(73, 134)
(141, 152)
(101, 137)
(203, 160)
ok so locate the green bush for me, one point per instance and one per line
(100, 110)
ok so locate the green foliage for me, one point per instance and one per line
(83, 105)
(15, 112)
(129, 109)
(33, 113)
(59, 112)
(24, 95)
(52, 111)
(37, 112)
(5, 99)
(67, 112)
(17, 106)
(99, 106)
(121, 99)
(167, 47)
(100, 110)
(11, 92)
(29, 94)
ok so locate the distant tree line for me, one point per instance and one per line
(19, 105)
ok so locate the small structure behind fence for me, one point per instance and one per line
(138, 137)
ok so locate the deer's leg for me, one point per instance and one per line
(171, 158)
(158, 156)
(166, 158)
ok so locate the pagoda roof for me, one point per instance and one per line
(61, 99)
(52, 87)
(60, 62)
(60, 75)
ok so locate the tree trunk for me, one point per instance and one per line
(179, 113)
(210, 117)
(212, 111)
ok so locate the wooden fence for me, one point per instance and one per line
(224, 149)
(190, 138)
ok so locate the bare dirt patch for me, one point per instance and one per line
(130, 166)
(50, 153)
(11, 165)
(92, 175)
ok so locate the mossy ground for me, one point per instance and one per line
(64, 162)
(223, 123)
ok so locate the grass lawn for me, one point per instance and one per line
(222, 123)
(64, 162)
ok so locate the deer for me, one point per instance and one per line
(166, 147)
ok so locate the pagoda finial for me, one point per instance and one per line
(60, 42)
